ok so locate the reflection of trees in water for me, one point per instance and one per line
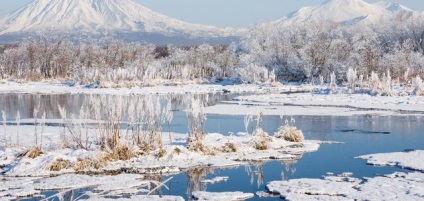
(288, 169)
(157, 178)
(25, 103)
(195, 176)
(255, 168)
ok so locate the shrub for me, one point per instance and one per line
(229, 147)
(59, 164)
(120, 152)
(161, 153)
(34, 153)
(177, 150)
(261, 139)
(289, 133)
(418, 85)
(86, 163)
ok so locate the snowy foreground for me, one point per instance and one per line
(396, 186)
(26, 176)
(66, 169)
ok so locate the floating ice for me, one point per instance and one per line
(223, 196)
(410, 160)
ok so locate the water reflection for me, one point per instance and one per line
(26, 103)
(195, 176)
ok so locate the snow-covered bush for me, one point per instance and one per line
(260, 139)
(289, 133)
(351, 78)
(333, 81)
(418, 85)
(374, 82)
(196, 118)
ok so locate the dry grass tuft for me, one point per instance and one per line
(261, 139)
(144, 149)
(120, 152)
(86, 163)
(419, 92)
(177, 150)
(59, 164)
(161, 153)
(34, 153)
(196, 145)
(229, 147)
(290, 133)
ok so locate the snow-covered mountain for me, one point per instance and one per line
(101, 17)
(345, 12)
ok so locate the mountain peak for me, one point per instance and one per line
(99, 17)
(343, 11)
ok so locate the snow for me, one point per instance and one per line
(284, 100)
(223, 196)
(343, 11)
(105, 186)
(62, 88)
(276, 101)
(214, 180)
(328, 187)
(141, 197)
(171, 162)
(99, 16)
(396, 186)
(411, 160)
(321, 105)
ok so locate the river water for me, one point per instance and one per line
(365, 134)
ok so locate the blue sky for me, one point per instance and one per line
(222, 13)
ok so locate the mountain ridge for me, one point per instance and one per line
(101, 17)
(343, 11)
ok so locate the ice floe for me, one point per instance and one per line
(222, 196)
(411, 160)
(396, 186)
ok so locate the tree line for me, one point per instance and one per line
(268, 52)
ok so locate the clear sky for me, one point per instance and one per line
(222, 13)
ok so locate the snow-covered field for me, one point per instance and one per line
(24, 176)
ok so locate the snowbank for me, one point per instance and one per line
(396, 186)
(63, 88)
(321, 104)
(411, 160)
(105, 186)
(222, 196)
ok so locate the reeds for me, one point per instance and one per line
(289, 132)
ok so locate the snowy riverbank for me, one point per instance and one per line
(269, 99)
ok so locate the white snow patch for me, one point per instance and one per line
(214, 180)
(223, 196)
(306, 104)
(411, 160)
(396, 186)
(140, 197)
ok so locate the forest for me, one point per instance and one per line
(309, 53)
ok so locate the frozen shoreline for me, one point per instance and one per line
(280, 100)
(321, 105)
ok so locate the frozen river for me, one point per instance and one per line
(359, 134)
